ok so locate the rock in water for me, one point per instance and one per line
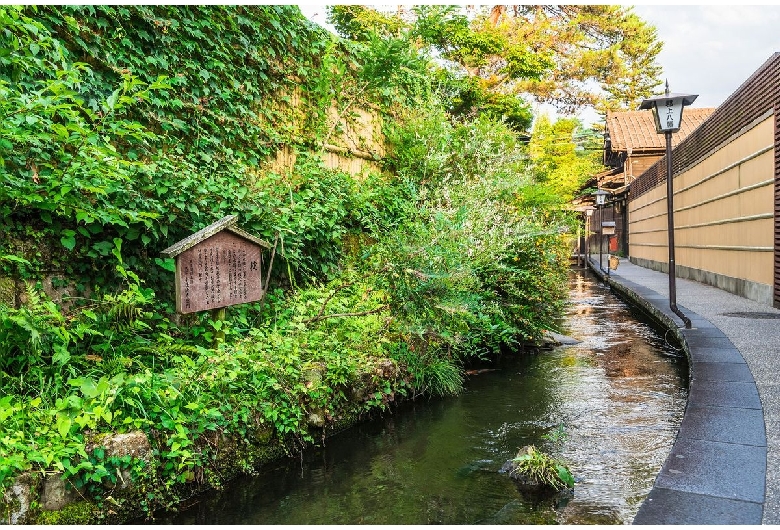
(558, 339)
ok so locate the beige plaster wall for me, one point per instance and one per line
(723, 214)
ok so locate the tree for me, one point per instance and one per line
(559, 163)
(607, 45)
(567, 55)
(358, 23)
(441, 32)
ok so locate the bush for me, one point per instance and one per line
(468, 274)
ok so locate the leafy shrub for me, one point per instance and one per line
(468, 274)
(429, 374)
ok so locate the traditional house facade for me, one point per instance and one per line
(631, 146)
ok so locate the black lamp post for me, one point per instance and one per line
(601, 197)
(667, 111)
(588, 215)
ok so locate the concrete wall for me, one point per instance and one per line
(723, 213)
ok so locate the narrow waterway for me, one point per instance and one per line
(617, 399)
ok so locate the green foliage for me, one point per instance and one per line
(33, 335)
(469, 274)
(59, 161)
(466, 97)
(607, 46)
(429, 373)
(452, 34)
(556, 53)
(118, 139)
(543, 469)
(558, 165)
(182, 396)
(360, 23)
(394, 70)
(144, 141)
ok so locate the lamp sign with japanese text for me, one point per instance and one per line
(672, 114)
(667, 111)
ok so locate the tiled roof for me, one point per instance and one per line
(635, 129)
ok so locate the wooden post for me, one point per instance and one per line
(218, 315)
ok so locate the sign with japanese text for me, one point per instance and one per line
(671, 114)
(217, 267)
(221, 271)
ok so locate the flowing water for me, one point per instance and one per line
(617, 398)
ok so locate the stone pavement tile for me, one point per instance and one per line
(648, 294)
(668, 507)
(699, 322)
(730, 471)
(713, 338)
(724, 424)
(716, 355)
(708, 371)
(724, 394)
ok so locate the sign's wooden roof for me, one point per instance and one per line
(226, 223)
(635, 129)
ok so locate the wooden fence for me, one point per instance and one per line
(726, 196)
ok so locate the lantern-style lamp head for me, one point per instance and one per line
(668, 109)
(601, 196)
(589, 212)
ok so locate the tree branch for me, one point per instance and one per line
(339, 315)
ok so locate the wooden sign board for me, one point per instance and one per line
(216, 267)
(608, 228)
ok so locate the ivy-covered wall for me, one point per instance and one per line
(146, 123)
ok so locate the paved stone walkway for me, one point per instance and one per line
(724, 467)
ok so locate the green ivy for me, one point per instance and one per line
(125, 128)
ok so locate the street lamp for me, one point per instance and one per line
(601, 197)
(589, 214)
(667, 111)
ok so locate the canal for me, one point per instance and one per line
(610, 406)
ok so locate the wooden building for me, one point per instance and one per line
(631, 146)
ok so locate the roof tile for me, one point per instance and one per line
(635, 129)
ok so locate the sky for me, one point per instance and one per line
(709, 50)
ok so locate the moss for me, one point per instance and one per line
(18, 502)
(82, 512)
(7, 291)
(9, 507)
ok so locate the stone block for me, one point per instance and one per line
(7, 291)
(56, 494)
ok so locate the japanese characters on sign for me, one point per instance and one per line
(221, 271)
(672, 114)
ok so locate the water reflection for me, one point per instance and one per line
(619, 396)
